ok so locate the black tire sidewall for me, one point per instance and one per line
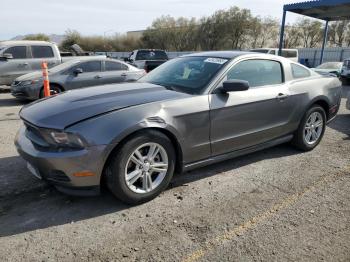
(115, 177)
(299, 138)
(52, 86)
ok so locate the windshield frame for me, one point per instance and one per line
(200, 90)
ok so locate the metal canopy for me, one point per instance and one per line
(327, 10)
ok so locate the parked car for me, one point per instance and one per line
(147, 59)
(76, 73)
(292, 54)
(329, 68)
(189, 112)
(22, 57)
(345, 71)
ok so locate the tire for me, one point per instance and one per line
(300, 139)
(122, 165)
(54, 90)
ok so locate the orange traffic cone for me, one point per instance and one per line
(46, 79)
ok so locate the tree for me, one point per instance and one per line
(292, 37)
(37, 37)
(310, 32)
(71, 37)
(337, 32)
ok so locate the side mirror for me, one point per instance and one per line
(234, 85)
(6, 56)
(78, 71)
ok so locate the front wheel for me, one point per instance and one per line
(54, 90)
(142, 168)
(311, 129)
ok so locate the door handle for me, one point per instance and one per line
(123, 75)
(24, 64)
(98, 77)
(282, 96)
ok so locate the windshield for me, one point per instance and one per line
(186, 74)
(63, 66)
(151, 55)
(330, 65)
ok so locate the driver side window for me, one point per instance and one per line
(88, 67)
(18, 52)
(257, 72)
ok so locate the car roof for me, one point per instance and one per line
(221, 54)
(24, 42)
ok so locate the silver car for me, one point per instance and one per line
(76, 73)
(189, 112)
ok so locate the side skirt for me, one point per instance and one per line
(237, 153)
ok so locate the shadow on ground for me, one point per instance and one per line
(44, 207)
(13, 102)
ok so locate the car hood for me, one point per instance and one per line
(66, 109)
(30, 76)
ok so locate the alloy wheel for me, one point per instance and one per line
(146, 168)
(313, 128)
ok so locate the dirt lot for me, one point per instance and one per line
(275, 205)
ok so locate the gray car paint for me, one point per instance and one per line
(205, 128)
(67, 80)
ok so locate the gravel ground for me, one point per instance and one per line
(275, 205)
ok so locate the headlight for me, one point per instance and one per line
(29, 82)
(63, 139)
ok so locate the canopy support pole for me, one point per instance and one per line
(325, 35)
(282, 32)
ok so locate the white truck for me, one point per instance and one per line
(21, 57)
(291, 54)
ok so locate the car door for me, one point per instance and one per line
(90, 75)
(16, 66)
(245, 118)
(42, 53)
(114, 72)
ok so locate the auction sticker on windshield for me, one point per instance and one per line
(215, 60)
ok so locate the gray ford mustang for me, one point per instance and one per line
(189, 112)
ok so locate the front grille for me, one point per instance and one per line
(59, 176)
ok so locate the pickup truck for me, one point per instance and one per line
(147, 59)
(18, 58)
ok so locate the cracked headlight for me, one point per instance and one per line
(63, 139)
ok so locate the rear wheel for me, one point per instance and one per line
(54, 90)
(311, 129)
(142, 168)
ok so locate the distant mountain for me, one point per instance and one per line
(53, 38)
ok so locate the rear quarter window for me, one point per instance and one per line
(39, 51)
(299, 71)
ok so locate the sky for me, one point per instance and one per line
(99, 17)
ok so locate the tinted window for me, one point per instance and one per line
(299, 71)
(151, 55)
(289, 53)
(18, 52)
(264, 51)
(42, 51)
(115, 66)
(257, 72)
(91, 66)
